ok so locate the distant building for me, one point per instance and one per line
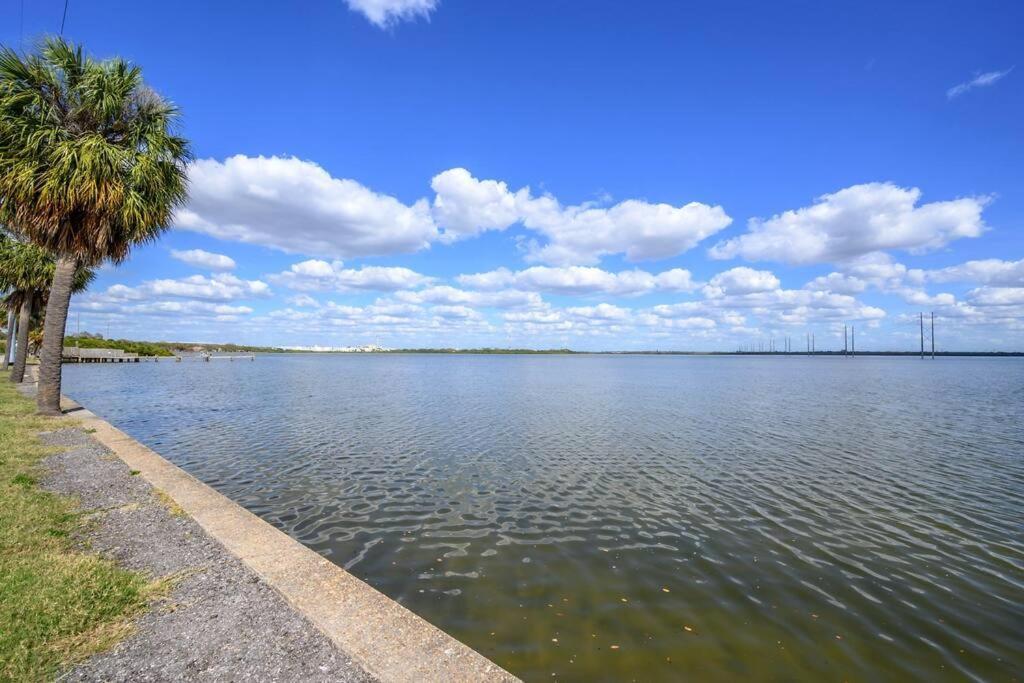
(367, 348)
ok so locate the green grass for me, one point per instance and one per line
(57, 603)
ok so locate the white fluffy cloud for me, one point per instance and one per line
(575, 235)
(840, 283)
(303, 301)
(298, 207)
(389, 317)
(639, 230)
(222, 287)
(877, 270)
(695, 322)
(460, 312)
(184, 300)
(581, 280)
(162, 308)
(741, 280)
(881, 272)
(319, 275)
(799, 306)
(986, 271)
(997, 296)
(732, 300)
(452, 296)
(856, 221)
(732, 295)
(600, 312)
(466, 206)
(204, 259)
(982, 80)
(385, 13)
(188, 308)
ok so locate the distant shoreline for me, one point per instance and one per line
(570, 352)
(566, 352)
(176, 348)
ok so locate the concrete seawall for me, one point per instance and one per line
(387, 640)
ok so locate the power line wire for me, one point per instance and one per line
(63, 18)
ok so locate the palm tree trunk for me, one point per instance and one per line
(24, 323)
(10, 339)
(48, 396)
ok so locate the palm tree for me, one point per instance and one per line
(5, 361)
(28, 270)
(90, 166)
(7, 287)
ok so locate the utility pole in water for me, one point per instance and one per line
(921, 315)
(933, 335)
(853, 340)
(844, 340)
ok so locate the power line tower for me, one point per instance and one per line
(921, 319)
(930, 335)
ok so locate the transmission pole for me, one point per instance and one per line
(933, 335)
(921, 315)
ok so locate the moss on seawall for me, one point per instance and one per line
(58, 603)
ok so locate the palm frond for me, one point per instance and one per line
(90, 162)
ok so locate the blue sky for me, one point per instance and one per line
(599, 175)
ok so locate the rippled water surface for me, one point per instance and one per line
(634, 517)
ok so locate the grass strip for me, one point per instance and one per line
(58, 604)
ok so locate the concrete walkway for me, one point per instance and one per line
(219, 622)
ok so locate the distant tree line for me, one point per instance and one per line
(141, 348)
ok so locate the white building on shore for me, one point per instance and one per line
(368, 348)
